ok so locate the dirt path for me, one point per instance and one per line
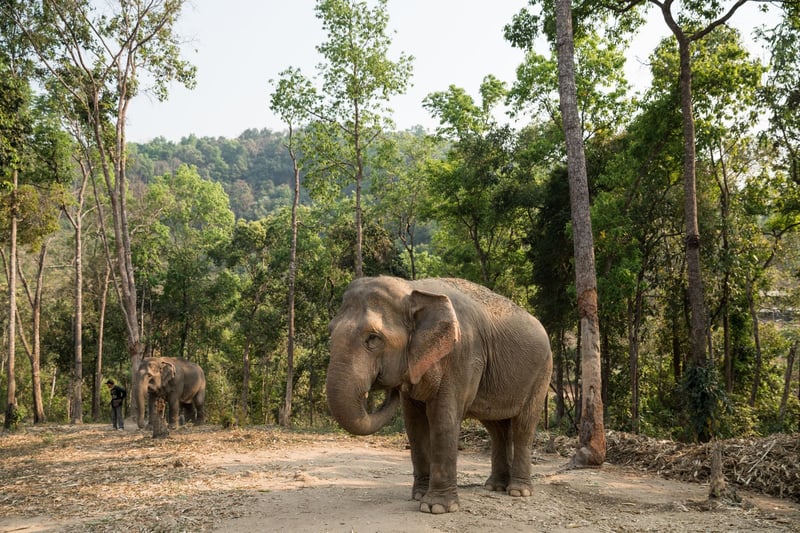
(206, 479)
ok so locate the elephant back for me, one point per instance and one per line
(192, 377)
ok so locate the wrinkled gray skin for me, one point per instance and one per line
(446, 349)
(180, 382)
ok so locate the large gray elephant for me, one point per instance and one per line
(180, 382)
(447, 349)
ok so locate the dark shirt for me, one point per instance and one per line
(117, 395)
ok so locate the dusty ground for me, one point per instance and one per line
(90, 478)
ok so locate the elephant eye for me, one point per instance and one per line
(373, 341)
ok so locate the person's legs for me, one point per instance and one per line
(116, 417)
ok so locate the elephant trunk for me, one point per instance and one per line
(348, 404)
(140, 389)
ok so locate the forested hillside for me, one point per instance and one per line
(234, 253)
(254, 169)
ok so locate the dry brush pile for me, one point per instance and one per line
(770, 465)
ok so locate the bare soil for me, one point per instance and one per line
(91, 478)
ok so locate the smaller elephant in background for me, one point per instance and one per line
(180, 382)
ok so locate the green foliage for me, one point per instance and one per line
(704, 401)
(253, 169)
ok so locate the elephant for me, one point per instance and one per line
(445, 349)
(180, 382)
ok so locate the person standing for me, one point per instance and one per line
(118, 395)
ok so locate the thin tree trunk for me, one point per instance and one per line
(634, 311)
(34, 352)
(757, 340)
(126, 300)
(286, 412)
(592, 440)
(11, 384)
(359, 260)
(98, 371)
(243, 411)
(695, 280)
(76, 415)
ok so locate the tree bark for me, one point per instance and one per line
(11, 387)
(76, 415)
(159, 422)
(243, 411)
(697, 336)
(98, 371)
(35, 351)
(592, 440)
(757, 340)
(286, 412)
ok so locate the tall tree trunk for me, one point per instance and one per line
(11, 387)
(359, 182)
(592, 440)
(123, 283)
(559, 378)
(751, 300)
(245, 401)
(34, 351)
(76, 414)
(634, 319)
(286, 412)
(697, 336)
(98, 370)
(702, 410)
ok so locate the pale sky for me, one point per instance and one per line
(239, 45)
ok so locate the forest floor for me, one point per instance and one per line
(90, 478)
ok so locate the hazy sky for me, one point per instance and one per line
(239, 45)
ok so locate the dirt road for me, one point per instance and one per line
(90, 478)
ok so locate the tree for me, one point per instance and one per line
(358, 79)
(592, 438)
(98, 55)
(468, 188)
(405, 166)
(188, 217)
(25, 138)
(292, 97)
(14, 95)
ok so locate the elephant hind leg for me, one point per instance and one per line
(523, 429)
(502, 450)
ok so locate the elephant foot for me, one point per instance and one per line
(439, 504)
(420, 488)
(438, 508)
(496, 484)
(519, 490)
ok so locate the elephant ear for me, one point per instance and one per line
(435, 332)
(167, 372)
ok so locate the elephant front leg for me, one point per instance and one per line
(442, 495)
(174, 412)
(416, 422)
